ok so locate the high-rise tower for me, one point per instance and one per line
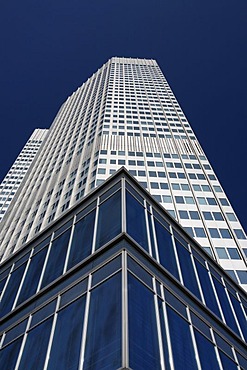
(126, 115)
(16, 174)
(99, 262)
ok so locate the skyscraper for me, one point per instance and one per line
(102, 276)
(16, 174)
(126, 115)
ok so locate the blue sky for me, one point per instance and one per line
(49, 48)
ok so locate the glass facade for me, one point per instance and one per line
(117, 283)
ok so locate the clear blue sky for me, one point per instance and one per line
(48, 48)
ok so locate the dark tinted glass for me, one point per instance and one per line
(81, 245)
(109, 220)
(103, 345)
(206, 352)
(225, 305)
(55, 264)
(240, 315)
(207, 288)
(143, 336)
(32, 277)
(9, 354)
(34, 352)
(181, 341)
(227, 363)
(11, 290)
(189, 277)
(136, 223)
(166, 250)
(66, 344)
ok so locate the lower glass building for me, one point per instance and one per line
(116, 283)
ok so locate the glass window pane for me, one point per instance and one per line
(227, 363)
(103, 344)
(32, 277)
(189, 277)
(11, 290)
(55, 264)
(240, 315)
(143, 335)
(109, 220)
(9, 354)
(207, 288)
(166, 250)
(81, 245)
(37, 339)
(226, 308)
(66, 344)
(136, 222)
(181, 341)
(206, 351)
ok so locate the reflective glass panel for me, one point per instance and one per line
(55, 264)
(136, 222)
(109, 220)
(206, 351)
(143, 336)
(189, 277)
(32, 277)
(9, 354)
(166, 250)
(10, 292)
(81, 245)
(103, 344)
(35, 348)
(66, 344)
(181, 341)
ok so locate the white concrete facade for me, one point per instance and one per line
(12, 181)
(127, 115)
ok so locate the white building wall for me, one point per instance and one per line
(17, 172)
(126, 115)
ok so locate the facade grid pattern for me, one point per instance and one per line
(127, 115)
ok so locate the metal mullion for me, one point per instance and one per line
(95, 225)
(23, 343)
(45, 263)
(125, 323)
(193, 339)
(52, 334)
(85, 324)
(69, 246)
(158, 326)
(167, 331)
(22, 280)
(123, 205)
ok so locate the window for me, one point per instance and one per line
(211, 201)
(224, 202)
(207, 215)
(233, 252)
(242, 276)
(201, 200)
(222, 253)
(214, 233)
(183, 214)
(185, 187)
(167, 199)
(189, 200)
(239, 234)
(194, 215)
(218, 216)
(225, 234)
(200, 233)
(179, 199)
(231, 216)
